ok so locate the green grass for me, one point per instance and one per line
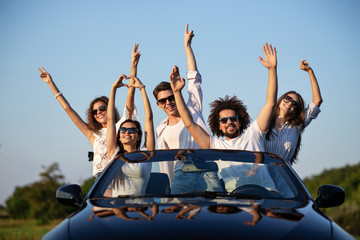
(16, 229)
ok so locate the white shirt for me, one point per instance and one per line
(252, 139)
(185, 140)
(179, 140)
(132, 179)
(233, 173)
(101, 158)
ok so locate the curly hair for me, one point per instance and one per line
(295, 118)
(92, 124)
(232, 103)
(230, 209)
(138, 142)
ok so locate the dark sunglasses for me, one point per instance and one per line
(102, 108)
(130, 130)
(169, 98)
(288, 99)
(225, 119)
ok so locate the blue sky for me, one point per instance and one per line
(86, 45)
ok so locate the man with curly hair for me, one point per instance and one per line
(237, 124)
(229, 117)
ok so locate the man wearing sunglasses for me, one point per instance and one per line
(171, 132)
(229, 117)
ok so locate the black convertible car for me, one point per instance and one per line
(214, 194)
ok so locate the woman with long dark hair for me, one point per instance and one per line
(290, 118)
(133, 177)
(95, 127)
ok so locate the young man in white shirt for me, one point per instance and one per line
(171, 132)
(229, 117)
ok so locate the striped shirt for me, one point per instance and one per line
(283, 143)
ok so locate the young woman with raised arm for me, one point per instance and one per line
(289, 119)
(95, 127)
(133, 177)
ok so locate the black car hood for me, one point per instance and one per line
(251, 220)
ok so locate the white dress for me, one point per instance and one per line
(132, 178)
(101, 158)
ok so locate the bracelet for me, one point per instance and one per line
(141, 87)
(56, 96)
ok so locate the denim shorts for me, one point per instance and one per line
(195, 181)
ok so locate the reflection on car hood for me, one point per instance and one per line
(199, 219)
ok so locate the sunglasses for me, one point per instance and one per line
(225, 119)
(169, 98)
(102, 108)
(288, 99)
(130, 130)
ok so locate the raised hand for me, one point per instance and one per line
(304, 66)
(119, 82)
(188, 35)
(135, 82)
(177, 83)
(45, 76)
(131, 82)
(135, 56)
(270, 56)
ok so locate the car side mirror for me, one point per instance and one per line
(69, 195)
(330, 196)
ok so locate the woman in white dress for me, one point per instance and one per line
(132, 178)
(95, 127)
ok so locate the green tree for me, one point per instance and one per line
(17, 205)
(87, 184)
(348, 214)
(37, 200)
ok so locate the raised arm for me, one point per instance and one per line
(46, 77)
(270, 63)
(149, 124)
(199, 134)
(317, 99)
(111, 140)
(190, 57)
(135, 56)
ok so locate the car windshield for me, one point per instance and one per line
(207, 173)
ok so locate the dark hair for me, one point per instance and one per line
(228, 103)
(92, 124)
(138, 142)
(291, 215)
(231, 209)
(295, 118)
(161, 87)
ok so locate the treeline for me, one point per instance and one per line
(348, 214)
(37, 200)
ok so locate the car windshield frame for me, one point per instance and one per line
(189, 156)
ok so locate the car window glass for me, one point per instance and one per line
(197, 171)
